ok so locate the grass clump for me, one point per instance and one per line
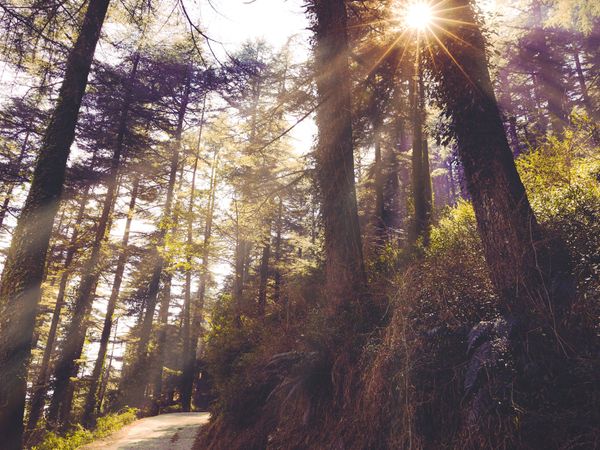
(81, 436)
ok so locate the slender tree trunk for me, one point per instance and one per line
(38, 394)
(507, 104)
(67, 365)
(189, 369)
(186, 385)
(91, 401)
(277, 256)
(531, 274)
(345, 272)
(264, 277)
(161, 340)
(134, 385)
(11, 186)
(421, 179)
(24, 266)
(379, 214)
(587, 102)
(548, 73)
(105, 377)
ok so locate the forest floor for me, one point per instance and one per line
(175, 431)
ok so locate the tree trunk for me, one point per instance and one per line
(549, 72)
(587, 102)
(345, 271)
(264, 277)
(67, 365)
(421, 179)
(531, 275)
(277, 256)
(379, 214)
(186, 391)
(105, 377)
(91, 401)
(38, 394)
(134, 384)
(189, 369)
(24, 266)
(161, 340)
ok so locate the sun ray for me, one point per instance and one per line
(443, 46)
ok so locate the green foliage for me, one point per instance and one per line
(80, 436)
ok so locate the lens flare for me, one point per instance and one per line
(418, 15)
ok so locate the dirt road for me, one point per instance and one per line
(175, 431)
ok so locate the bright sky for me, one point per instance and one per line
(231, 22)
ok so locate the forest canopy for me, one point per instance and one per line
(354, 224)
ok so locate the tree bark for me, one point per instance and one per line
(530, 274)
(91, 402)
(24, 266)
(345, 271)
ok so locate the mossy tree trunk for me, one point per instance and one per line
(24, 267)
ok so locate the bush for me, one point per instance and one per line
(80, 436)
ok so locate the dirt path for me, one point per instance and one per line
(175, 431)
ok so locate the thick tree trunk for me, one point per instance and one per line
(91, 400)
(345, 272)
(38, 394)
(24, 266)
(531, 274)
(67, 365)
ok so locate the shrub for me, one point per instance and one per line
(80, 436)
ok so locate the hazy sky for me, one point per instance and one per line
(233, 21)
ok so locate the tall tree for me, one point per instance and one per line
(345, 272)
(91, 401)
(67, 364)
(530, 273)
(134, 382)
(24, 267)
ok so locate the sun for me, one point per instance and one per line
(418, 15)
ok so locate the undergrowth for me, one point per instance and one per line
(80, 436)
(436, 371)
